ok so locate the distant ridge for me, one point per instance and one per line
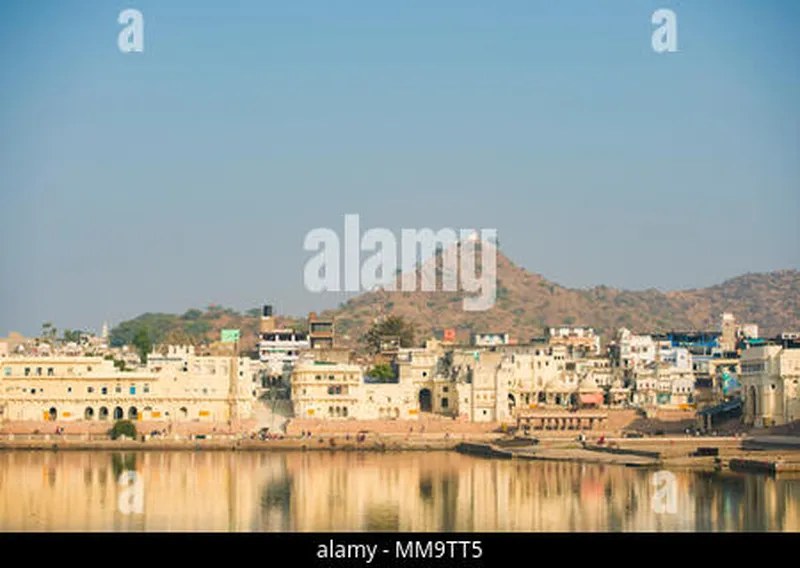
(528, 303)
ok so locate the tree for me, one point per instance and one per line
(72, 336)
(143, 344)
(123, 428)
(299, 325)
(391, 326)
(49, 333)
(383, 372)
(192, 314)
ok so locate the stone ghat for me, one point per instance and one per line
(397, 427)
(98, 428)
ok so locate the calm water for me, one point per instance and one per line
(320, 491)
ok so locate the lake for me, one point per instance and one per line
(324, 491)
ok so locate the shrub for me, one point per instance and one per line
(123, 428)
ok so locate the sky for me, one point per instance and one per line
(191, 172)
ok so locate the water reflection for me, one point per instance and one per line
(320, 491)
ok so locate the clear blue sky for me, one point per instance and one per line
(190, 173)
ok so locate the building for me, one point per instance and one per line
(325, 390)
(488, 339)
(664, 386)
(580, 341)
(321, 332)
(770, 374)
(178, 386)
(279, 349)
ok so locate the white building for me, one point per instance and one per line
(770, 375)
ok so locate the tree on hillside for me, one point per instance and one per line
(391, 326)
(143, 344)
(192, 314)
(157, 326)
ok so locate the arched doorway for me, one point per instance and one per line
(88, 414)
(752, 403)
(53, 413)
(425, 401)
(512, 404)
(133, 414)
(118, 413)
(103, 414)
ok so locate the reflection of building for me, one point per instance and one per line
(363, 491)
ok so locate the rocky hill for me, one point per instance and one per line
(526, 304)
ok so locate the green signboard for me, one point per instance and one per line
(230, 335)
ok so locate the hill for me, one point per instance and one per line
(527, 303)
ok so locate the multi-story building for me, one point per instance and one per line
(177, 387)
(488, 339)
(580, 341)
(321, 332)
(658, 385)
(279, 349)
(770, 375)
(339, 391)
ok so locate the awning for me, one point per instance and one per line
(593, 398)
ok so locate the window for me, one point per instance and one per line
(445, 389)
(90, 389)
(444, 402)
(331, 377)
(118, 389)
(133, 389)
(50, 371)
(146, 388)
(39, 371)
(104, 390)
(27, 371)
(33, 391)
(318, 377)
(89, 369)
(7, 371)
(69, 389)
